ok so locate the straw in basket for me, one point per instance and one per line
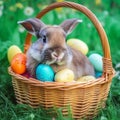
(84, 99)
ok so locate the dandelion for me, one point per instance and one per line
(98, 2)
(59, 0)
(39, 6)
(59, 9)
(44, 6)
(12, 8)
(19, 5)
(28, 11)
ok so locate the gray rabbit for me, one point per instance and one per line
(51, 48)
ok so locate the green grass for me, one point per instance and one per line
(107, 12)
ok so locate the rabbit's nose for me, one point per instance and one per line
(54, 55)
(57, 56)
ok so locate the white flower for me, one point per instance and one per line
(103, 118)
(32, 116)
(89, 25)
(118, 77)
(117, 66)
(28, 11)
(1, 7)
(105, 12)
(117, 74)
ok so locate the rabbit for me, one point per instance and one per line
(51, 48)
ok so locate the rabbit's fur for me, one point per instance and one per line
(51, 48)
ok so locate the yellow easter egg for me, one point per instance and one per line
(78, 44)
(65, 75)
(86, 78)
(12, 51)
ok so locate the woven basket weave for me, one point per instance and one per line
(85, 99)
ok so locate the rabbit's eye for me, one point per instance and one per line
(44, 39)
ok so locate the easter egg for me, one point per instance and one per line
(78, 44)
(98, 74)
(45, 73)
(18, 63)
(96, 61)
(12, 51)
(65, 75)
(86, 78)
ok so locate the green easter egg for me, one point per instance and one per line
(96, 61)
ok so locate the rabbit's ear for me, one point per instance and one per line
(69, 25)
(32, 25)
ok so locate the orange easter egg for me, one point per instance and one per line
(18, 63)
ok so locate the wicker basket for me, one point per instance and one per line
(84, 99)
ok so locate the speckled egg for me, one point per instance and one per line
(45, 73)
(65, 75)
(12, 51)
(78, 44)
(96, 61)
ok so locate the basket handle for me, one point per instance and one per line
(107, 64)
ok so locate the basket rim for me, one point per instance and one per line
(60, 85)
(108, 71)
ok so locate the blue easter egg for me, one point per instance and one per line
(96, 61)
(98, 74)
(45, 73)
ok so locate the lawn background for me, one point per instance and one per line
(11, 11)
